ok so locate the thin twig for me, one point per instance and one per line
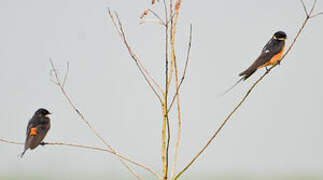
(321, 13)
(179, 109)
(11, 142)
(141, 68)
(246, 95)
(92, 148)
(312, 9)
(164, 149)
(171, 13)
(166, 12)
(60, 85)
(185, 68)
(173, 60)
(172, 40)
(151, 20)
(66, 74)
(165, 121)
(136, 59)
(174, 17)
(304, 7)
(157, 16)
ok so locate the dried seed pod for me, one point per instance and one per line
(177, 6)
(144, 13)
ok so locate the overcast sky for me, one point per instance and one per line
(279, 130)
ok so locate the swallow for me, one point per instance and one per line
(37, 129)
(270, 55)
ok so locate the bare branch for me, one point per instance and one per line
(169, 76)
(246, 95)
(173, 20)
(11, 142)
(66, 74)
(185, 68)
(60, 85)
(166, 13)
(136, 59)
(54, 82)
(165, 103)
(317, 14)
(312, 9)
(141, 68)
(298, 33)
(165, 148)
(151, 20)
(114, 23)
(179, 121)
(171, 13)
(157, 16)
(304, 7)
(89, 147)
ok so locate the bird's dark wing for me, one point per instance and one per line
(270, 50)
(42, 130)
(28, 137)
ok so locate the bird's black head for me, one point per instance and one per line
(280, 35)
(42, 112)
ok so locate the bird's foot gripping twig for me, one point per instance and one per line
(43, 143)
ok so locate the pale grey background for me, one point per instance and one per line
(278, 131)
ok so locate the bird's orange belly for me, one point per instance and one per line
(276, 57)
(273, 60)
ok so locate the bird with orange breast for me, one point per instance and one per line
(37, 129)
(270, 55)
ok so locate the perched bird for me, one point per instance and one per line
(269, 55)
(37, 129)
